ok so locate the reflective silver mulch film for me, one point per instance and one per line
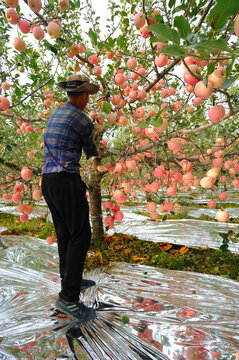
(142, 312)
(188, 232)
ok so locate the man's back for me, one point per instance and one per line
(68, 130)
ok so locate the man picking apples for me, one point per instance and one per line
(69, 130)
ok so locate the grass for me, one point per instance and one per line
(38, 227)
(124, 248)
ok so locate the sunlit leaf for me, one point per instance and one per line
(165, 33)
(182, 25)
(165, 247)
(183, 250)
(171, 3)
(92, 36)
(138, 258)
(221, 12)
(173, 50)
(127, 251)
(213, 45)
(106, 107)
(17, 91)
(228, 82)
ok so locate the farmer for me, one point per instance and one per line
(69, 130)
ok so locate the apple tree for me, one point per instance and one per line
(166, 116)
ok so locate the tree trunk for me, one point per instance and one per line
(95, 201)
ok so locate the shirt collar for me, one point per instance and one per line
(69, 103)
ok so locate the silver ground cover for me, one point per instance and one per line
(142, 312)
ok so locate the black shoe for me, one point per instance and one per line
(85, 284)
(75, 309)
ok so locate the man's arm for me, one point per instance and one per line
(88, 142)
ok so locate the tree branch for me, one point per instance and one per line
(211, 3)
(10, 165)
(228, 99)
(26, 97)
(162, 74)
(204, 127)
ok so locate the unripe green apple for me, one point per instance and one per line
(21, 68)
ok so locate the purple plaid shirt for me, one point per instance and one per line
(68, 131)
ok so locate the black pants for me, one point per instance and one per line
(65, 195)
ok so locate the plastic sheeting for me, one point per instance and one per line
(203, 197)
(141, 312)
(197, 212)
(188, 232)
(37, 210)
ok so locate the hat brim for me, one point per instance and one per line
(87, 87)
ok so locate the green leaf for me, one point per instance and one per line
(106, 107)
(156, 121)
(221, 12)
(223, 235)
(34, 64)
(182, 25)
(100, 45)
(92, 36)
(224, 247)
(173, 50)
(192, 38)
(228, 82)
(203, 54)
(143, 126)
(60, 40)
(104, 256)
(153, 39)
(34, 136)
(111, 42)
(77, 65)
(126, 22)
(171, 3)
(205, 81)
(125, 319)
(159, 19)
(53, 49)
(165, 33)
(179, 8)
(72, 5)
(230, 66)
(121, 41)
(211, 67)
(8, 148)
(17, 91)
(213, 45)
(133, 8)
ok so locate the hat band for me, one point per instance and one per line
(74, 84)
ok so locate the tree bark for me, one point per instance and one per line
(95, 201)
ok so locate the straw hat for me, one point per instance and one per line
(78, 83)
